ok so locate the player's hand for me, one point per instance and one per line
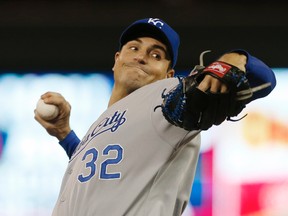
(213, 84)
(236, 59)
(60, 126)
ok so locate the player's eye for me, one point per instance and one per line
(134, 48)
(156, 55)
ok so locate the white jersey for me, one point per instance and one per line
(131, 162)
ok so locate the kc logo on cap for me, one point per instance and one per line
(157, 22)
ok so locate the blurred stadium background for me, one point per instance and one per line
(69, 46)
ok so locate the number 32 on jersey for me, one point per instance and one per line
(90, 159)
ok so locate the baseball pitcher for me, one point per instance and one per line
(139, 157)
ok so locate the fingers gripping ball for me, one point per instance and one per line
(46, 111)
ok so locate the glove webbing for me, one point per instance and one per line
(177, 115)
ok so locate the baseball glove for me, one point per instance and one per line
(188, 107)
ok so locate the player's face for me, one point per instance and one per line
(140, 62)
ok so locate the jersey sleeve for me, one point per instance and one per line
(258, 73)
(69, 143)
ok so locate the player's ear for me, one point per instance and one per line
(170, 73)
(115, 59)
(116, 56)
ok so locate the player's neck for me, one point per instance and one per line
(116, 95)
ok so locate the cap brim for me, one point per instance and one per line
(145, 30)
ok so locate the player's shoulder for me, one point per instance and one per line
(164, 83)
(155, 89)
(172, 80)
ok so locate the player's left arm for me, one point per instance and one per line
(211, 94)
(257, 73)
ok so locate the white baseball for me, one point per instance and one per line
(46, 111)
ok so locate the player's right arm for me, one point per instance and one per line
(60, 126)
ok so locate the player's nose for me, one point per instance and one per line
(140, 57)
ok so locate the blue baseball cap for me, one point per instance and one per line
(155, 28)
